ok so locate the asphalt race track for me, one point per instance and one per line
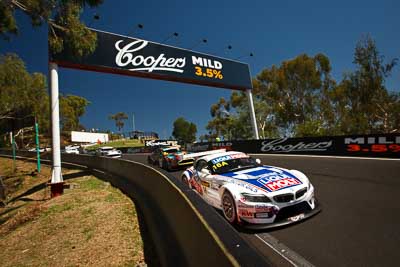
(360, 220)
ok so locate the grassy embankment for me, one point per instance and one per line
(119, 144)
(91, 224)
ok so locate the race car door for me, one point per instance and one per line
(206, 179)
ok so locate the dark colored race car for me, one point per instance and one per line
(169, 158)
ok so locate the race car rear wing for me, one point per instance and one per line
(204, 153)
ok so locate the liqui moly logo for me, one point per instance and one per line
(280, 184)
(129, 55)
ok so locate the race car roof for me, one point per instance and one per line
(214, 156)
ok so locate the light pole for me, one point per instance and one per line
(252, 113)
(57, 183)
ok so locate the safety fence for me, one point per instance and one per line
(383, 145)
(184, 229)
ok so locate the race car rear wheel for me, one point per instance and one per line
(228, 207)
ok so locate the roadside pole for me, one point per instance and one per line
(13, 151)
(37, 144)
(57, 184)
(252, 113)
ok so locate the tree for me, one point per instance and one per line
(22, 94)
(221, 123)
(364, 104)
(72, 107)
(293, 99)
(264, 118)
(119, 118)
(184, 131)
(297, 93)
(62, 18)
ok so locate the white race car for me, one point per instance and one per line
(249, 193)
(108, 151)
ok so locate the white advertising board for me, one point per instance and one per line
(85, 137)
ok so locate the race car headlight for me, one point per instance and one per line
(255, 198)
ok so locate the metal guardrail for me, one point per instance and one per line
(184, 230)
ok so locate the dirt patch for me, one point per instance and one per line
(91, 224)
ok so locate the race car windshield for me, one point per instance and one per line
(231, 165)
(171, 150)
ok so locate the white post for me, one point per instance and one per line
(252, 114)
(133, 122)
(56, 176)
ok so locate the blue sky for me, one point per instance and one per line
(273, 30)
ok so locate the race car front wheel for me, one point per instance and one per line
(185, 180)
(228, 207)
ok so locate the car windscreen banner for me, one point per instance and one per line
(384, 145)
(136, 57)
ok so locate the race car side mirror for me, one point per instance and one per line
(258, 161)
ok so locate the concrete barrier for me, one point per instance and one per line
(183, 228)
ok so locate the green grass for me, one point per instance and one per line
(119, 144)
(58, 208)
(91, 184)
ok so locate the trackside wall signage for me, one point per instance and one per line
(157, 143)
(384, 145)
(136, 57)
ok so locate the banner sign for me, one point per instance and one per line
(136, 57)
(385, 145)
(157, 143)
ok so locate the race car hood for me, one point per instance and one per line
(267, 178)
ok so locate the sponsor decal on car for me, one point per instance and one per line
(204, 183)
(263, 215)
(265, 178)
(296, 218)
(246, 213)
(279, 184)
(219, 165)
(262, 208)
(229, 157)
(244, 185)
(221, 159)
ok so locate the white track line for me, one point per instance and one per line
(289, 255)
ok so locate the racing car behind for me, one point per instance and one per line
(169, 158)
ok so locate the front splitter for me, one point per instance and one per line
(294, 219)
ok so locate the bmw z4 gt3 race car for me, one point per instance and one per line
(251, 194)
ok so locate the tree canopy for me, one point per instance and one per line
(300, 98)
(184, 131)
(22, 94)
(119, 118)
(62, 17)
(72, 107)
